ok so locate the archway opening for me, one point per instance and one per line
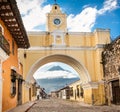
(55, 75)
(68, 60)
(75, 64)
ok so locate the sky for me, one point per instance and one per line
(82, 15)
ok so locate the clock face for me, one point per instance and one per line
(57, 21)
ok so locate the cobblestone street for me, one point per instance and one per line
(57, 105)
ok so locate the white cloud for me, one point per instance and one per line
(34, 14)
(109, 5)
(27, 5)
(83, 21)
(54, 74)
(43, 72)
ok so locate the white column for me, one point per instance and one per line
(1, 85)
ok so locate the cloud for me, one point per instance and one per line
(109, 5)
(28, 5)
(34, 14)
(83, 21)
(54, 74)
(55, 70)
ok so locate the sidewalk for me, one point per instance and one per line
(23, 108)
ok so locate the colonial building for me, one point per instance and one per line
(111, 64)
(73, 91)
(54, 94)
(76, 91)
(64, 93)
(12, 37)
(80, 50)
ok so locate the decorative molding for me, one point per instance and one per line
(90, 85)
(69, 33)
(64, 47)
(13, 68)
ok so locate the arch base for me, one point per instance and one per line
(94, 93)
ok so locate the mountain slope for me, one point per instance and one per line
(56, 68)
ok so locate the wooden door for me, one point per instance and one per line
(19, 98)
(29, 94)
(116, 92)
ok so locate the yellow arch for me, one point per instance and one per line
(82, 71)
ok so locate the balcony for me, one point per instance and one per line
(4, 45)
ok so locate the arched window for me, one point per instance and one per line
(71, 91)
(78, 91)
(55, 7)
(82, 92)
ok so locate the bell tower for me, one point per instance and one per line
(56, 20)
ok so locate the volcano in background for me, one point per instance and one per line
(57, 68)
(55, 77)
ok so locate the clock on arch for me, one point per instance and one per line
(57, 21)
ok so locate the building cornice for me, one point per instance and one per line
(67, 33)
(98, 46)
(92, 85)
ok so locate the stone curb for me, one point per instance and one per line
(23, 108)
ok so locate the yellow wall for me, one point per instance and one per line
(82, 47)
(95, 96)
(72, 39)
(87, 96)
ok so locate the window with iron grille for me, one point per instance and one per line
(3, 42)
(78, 91)
(71, 91)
